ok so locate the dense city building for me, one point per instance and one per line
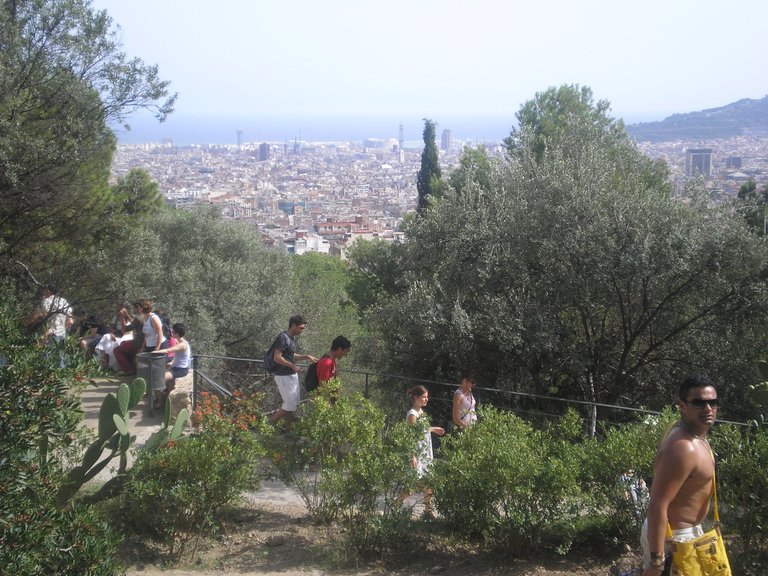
(264, 152)
(321, 196)
(731, 162)
(314, 196)
(446, 140)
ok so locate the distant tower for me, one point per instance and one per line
(698, 162)
(400, 140)
(446, 140)
(264, 152)
(239, 139)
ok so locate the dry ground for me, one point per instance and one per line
(277, 539)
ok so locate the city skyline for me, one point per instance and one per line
(405, 61)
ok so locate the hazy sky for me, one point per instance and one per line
(430, 58)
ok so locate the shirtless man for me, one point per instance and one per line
(683, 472)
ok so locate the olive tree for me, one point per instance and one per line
(321, 296)
(753, 206)
(216, 276)
(578, 274)
(474, 164)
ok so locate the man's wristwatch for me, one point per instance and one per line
(657, 560)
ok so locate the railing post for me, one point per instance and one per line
(195, 384)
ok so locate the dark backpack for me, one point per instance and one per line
(310, 380)
(269, 363)
(269, 359)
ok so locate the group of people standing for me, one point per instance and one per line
(281, 359)
(116, 345)
(150, 332)
(143, 331)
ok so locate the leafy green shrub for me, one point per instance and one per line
(39, 420)
(377, 523)
(611, 466)
(174, 491)
(378, 536)
(504, 481)
(347, 465)
(743, 493)
(45, 540)
(330, 439)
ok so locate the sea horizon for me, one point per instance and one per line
(186, 129)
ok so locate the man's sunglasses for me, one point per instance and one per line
(701, 402)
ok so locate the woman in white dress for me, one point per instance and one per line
(421, 460)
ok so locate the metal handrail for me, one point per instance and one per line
(367, 374)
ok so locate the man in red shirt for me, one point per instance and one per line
(326, 366)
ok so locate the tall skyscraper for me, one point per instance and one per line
(263, 152)
(698, 162)
(446, 140)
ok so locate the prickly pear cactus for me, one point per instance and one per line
(114, 438)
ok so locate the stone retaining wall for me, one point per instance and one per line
(181, 396)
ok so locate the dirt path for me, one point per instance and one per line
(266, 538)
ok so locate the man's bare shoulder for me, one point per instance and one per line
(676, 446)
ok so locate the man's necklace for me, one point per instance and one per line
(684, 426)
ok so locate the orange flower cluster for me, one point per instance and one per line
(239, 409)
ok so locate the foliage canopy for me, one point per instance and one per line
(577, 273)
(63, 80)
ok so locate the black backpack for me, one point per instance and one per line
(310, 380)
(269, 359)
(269, 363)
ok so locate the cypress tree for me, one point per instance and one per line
(428, 181)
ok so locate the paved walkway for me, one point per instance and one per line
(142, 424)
